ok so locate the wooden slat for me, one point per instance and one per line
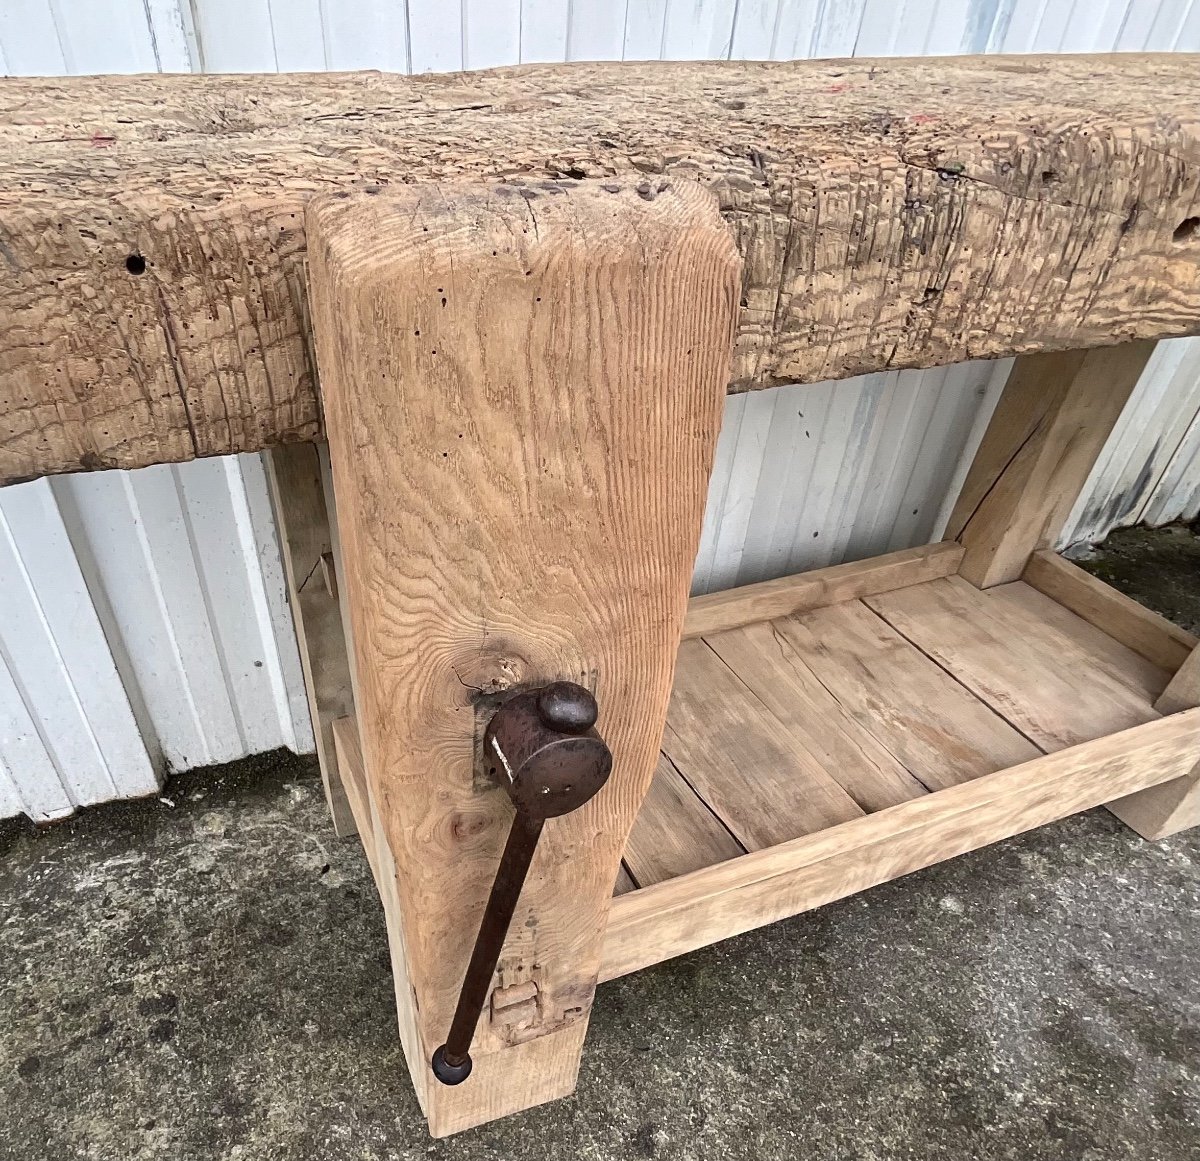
(1044, 683)
(942, 733)
(778, 674)
(1044, 436)
(294, 478)
(1118, 661)
(893, 213)
(1158, 640)
(675, 832)
(678, 916)
(763, 783)
(715, 612)
(523, 398)
(1165, 810)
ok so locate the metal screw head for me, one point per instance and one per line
(567, 708)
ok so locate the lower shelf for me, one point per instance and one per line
(817, 754)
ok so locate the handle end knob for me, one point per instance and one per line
(450, 1072)
(567, 708)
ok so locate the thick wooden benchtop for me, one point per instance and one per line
(891, 213)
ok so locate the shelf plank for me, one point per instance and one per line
(1048, 685)
(1120, 662)
(669, 919)
(675, 832)
(940, 731)
(761, 781)
(779, 675)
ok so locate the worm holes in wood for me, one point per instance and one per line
(135, 264)
(1188, 230)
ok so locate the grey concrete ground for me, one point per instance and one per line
(207, 977)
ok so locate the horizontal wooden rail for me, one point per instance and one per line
(682, 914)
(891, 213)
(1145, 632)
(715, 612)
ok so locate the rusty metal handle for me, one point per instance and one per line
(542, 748)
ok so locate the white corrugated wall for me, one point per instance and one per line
(145, 623)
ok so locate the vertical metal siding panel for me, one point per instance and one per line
(754, 29)
(698, 29)
(491, 33)
(33, 785)
(173, 34)
(435, 36)
(544, 30)
(366, 34)
(58, 656)
(597, 31)
(269, 588)
(235, 36)
(645, 23)
(298, 34)
(109, 37)
(30, 39)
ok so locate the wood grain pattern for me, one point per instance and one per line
(891, 213)
(523, 397)
(942, 733)
(1123, 664)
(716, 612)
(1183, 690)
(1043, 682)
(764, 782)
(675, 832)
(1044, 436)
(678, 916)
(1160, 641)
(777, 674)
(1165, 810)
(297, 496)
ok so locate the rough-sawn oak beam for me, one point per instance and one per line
(891, 213)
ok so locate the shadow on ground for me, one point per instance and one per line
(206, 976)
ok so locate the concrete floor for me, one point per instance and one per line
(206, 976)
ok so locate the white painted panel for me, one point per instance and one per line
(435, 36)
(366, 34)
(698, 29)
(112, 36)
(491, 33)
(543, 30)
(596, 31)
(59, 658)
(298, 36)
(645, 21)
(235, 36)
(29, 39)
(31, 779)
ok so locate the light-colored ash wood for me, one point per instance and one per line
(1165, 810)
(778, 675)
(941, 733)
(523, 397)
(1043, 682)
(1053, 417)
(361, 796)
(1124, 665)
(892, 213)
(716, 612)
(1160, 641)
(675, 832)
(682, 914)
(294, 478)
(765, 783)
(1183, 690)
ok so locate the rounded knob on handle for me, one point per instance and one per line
(567, 708)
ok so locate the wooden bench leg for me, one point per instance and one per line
(523, 388)
(1165, 810)
(1050, 425)
(294, 478)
